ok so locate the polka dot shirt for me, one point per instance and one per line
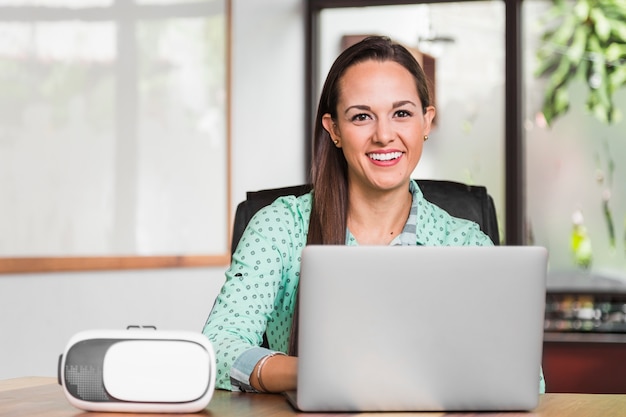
(259, 294)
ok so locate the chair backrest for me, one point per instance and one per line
(470, 202)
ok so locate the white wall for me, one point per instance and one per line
(40, 312)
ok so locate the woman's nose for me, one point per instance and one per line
(384, 132)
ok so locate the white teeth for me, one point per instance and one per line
(385, 156)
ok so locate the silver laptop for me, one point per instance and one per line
(420, 328)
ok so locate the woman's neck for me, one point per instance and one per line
(377, 218)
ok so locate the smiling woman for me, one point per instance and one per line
(115, 140)
(367, 141)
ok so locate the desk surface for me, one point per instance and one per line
(41, 396)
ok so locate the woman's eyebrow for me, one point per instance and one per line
(361, 107)
(403, 103)
(396, 104)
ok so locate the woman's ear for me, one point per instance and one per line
(331, 127)
(429, 116)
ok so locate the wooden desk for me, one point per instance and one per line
(36, 396)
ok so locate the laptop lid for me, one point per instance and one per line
(420, 328)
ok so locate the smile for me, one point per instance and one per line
(388, 156)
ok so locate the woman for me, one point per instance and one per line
(373, 117)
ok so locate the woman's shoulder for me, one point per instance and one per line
(302, 201)
(285, 209)
(293, 204)
(441, 227)
(282, 225)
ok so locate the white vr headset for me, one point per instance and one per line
(138, 370)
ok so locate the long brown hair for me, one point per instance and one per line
(329, 170)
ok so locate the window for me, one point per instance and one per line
(113, 128)
(576, 199)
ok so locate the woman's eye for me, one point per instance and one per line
(403, 113)
(360, 117)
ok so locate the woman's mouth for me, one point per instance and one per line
(384, 157)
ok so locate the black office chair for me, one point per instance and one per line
(470, 202)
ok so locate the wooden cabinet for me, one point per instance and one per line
(585, 363)
(584, 348)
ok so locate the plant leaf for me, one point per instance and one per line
(581, 10)
(601, 24)
(615, 52)
(618, 28)
(617, 78)
(579, 43)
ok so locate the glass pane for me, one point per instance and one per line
(57, 86)
(465, 41)
(576, 199)
(182, 135)
(113, 137)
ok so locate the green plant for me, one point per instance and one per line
(586, 39)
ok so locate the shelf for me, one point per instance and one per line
(572, 337)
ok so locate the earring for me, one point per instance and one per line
(335, 142)
(425, 138)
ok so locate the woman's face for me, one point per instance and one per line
(380, 124)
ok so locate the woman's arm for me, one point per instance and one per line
(278, 373)
(259, 294)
